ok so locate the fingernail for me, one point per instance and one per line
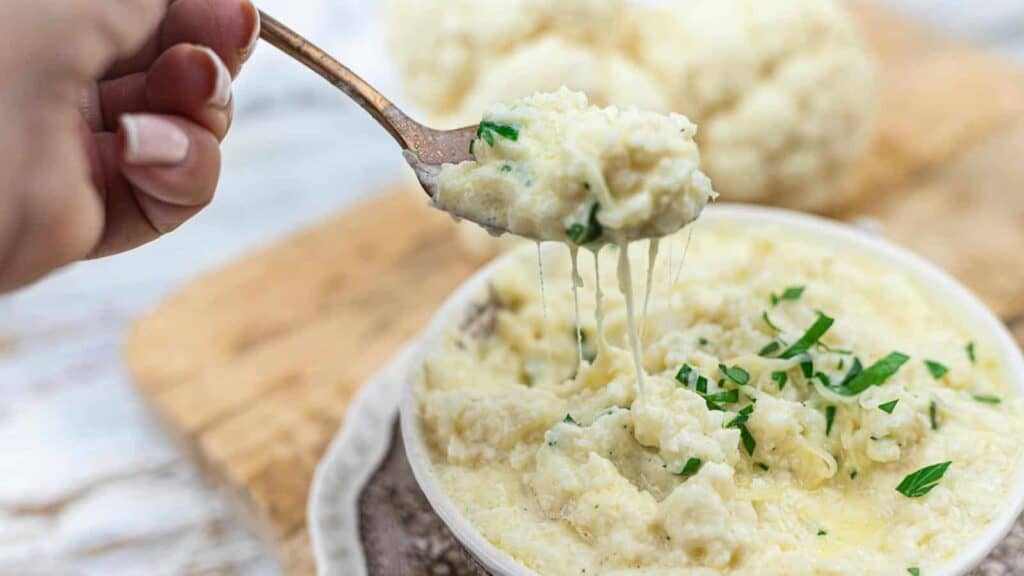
(221, 94)
(251, 14)
(152, 141)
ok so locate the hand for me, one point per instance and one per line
(111, 117)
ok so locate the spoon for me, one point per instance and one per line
(425, 148)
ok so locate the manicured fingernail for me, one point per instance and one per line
(252, 15)
(221, 94)
(152, 141)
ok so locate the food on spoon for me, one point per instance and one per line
(553, 167)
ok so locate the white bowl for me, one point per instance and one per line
(930, 277)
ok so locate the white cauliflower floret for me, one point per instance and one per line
(783, 89)
(783, 92)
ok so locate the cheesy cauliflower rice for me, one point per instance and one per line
(552, 167)
(807, 411)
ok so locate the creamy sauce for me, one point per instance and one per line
(652, 262)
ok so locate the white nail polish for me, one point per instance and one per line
(152, 141)
(221, 95)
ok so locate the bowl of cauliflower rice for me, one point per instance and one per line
(809, 400)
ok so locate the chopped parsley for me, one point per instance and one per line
(683, 375)
(807, 367)
(888, 407)
(727, 397)
(761, 465)
(914, 571)
(830, 418)
(791, 293)
(702, 341)
(580, 233)
(987, 399)
(768, 321)
(702, 385)
(936, 369)
(570, 420)
(810, 337)
(740, 422)
(853, 474)
(970, 352)
(933, 416)
(822, 532)
(488, 129)
(769, 349)
(506, 168)
(736, 374)
(921, 482)
(780, 378)
(873, 375)
(691, 467)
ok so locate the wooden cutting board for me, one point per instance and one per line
(252, 366)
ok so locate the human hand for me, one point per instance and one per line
(111, 116)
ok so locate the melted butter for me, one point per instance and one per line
(625, 274)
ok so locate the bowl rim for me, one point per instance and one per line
(928, 275)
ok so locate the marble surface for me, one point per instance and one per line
(88, 482)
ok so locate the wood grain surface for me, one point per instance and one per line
(252, 367)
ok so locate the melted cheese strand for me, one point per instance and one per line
(598, 296)
(543, 298)
(686, 250)
(652, 261)
(625, 274)
(577, 281)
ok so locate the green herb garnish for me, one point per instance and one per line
(768, 321)
(736, 374)
(937, 370)
(853, 474)
(761, 465)
(702, 341)
(740, 422)
(488, 129)
(921, 482)
(970, 352)
(987, 399)
(933, 415)
(780, 378)
(691, 467)
(810, 337)
(581, 234)
(683, 375)
(726, 397)
(769, 349)
(506, 168)
(570, 420)
(822, 532)
(888, 407)
(914, 571)
(830, 418)
(807, 367)
(791, 293)
(875, 374)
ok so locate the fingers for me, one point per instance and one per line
(187, 80)
(229, 27)
(158, 171)
(57, 218)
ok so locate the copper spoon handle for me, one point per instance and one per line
(401, 127)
